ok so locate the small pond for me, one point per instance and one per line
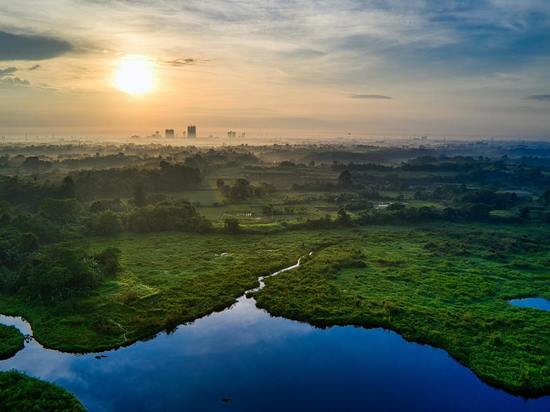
(535, 303)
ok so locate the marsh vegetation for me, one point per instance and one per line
(102, 246)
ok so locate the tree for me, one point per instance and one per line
(241, 190)
(139, 195)
(58, 271)
(343, 217)
(231, 225)
(68, 188)
(109, 261)
(524, 212)
(61, 210)
(106, 223)
(29, 242)
(344, 180)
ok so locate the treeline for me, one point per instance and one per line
(455, 170)
(242, 189)
(92, 184)
(164, 216)
(120, 182)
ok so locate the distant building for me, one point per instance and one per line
(169, 133)
(192, 131)
(243, 135)
(231, 134)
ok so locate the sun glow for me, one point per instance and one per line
(134, 75)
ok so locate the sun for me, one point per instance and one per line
(135, 75)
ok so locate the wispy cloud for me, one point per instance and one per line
(539, 97)
(8, 70)
(369, 96)
(179, 62)
(13, 81)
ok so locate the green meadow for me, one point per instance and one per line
(167, 279)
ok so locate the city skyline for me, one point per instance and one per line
(303, 67)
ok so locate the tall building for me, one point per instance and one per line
(192, 131)
(169, 133)
(231, 134)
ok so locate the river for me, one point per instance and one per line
(243, 359)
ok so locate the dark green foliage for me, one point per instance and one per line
(491, 199)
(121, 182)
(181, 216)
(344, 179)
(61, 210)
(20, 191)
(19, 392)
(243, 190)
(68, 188)
(343, 217)
(109, 261)
(58, 271)
(140, 198)
(105, 223)
(11, 341)
(115, 205)
(231, 225)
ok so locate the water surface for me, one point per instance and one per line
(535, 303)
(263, 363)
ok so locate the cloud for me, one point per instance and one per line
(31, 47)
(13, 81)
(369, 96)
(539, 97)
(179, 62)
(8, 70)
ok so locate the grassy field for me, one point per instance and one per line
(168, 279)
(19, 392)
(11, 341)
(445, 286)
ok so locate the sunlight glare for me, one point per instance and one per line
(134, 75)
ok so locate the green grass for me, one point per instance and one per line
(11, 341)
(168, 279)
(448, 287)
(19, 392)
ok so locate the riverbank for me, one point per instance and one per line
(448, 287)
(11, 341)
(19, 392)
(168, 279)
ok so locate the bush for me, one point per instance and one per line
(106, 223)
(231, 225)
(109, 261)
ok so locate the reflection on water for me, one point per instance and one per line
(261, 363)
(535, 303)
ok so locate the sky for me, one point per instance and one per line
(360, 67)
